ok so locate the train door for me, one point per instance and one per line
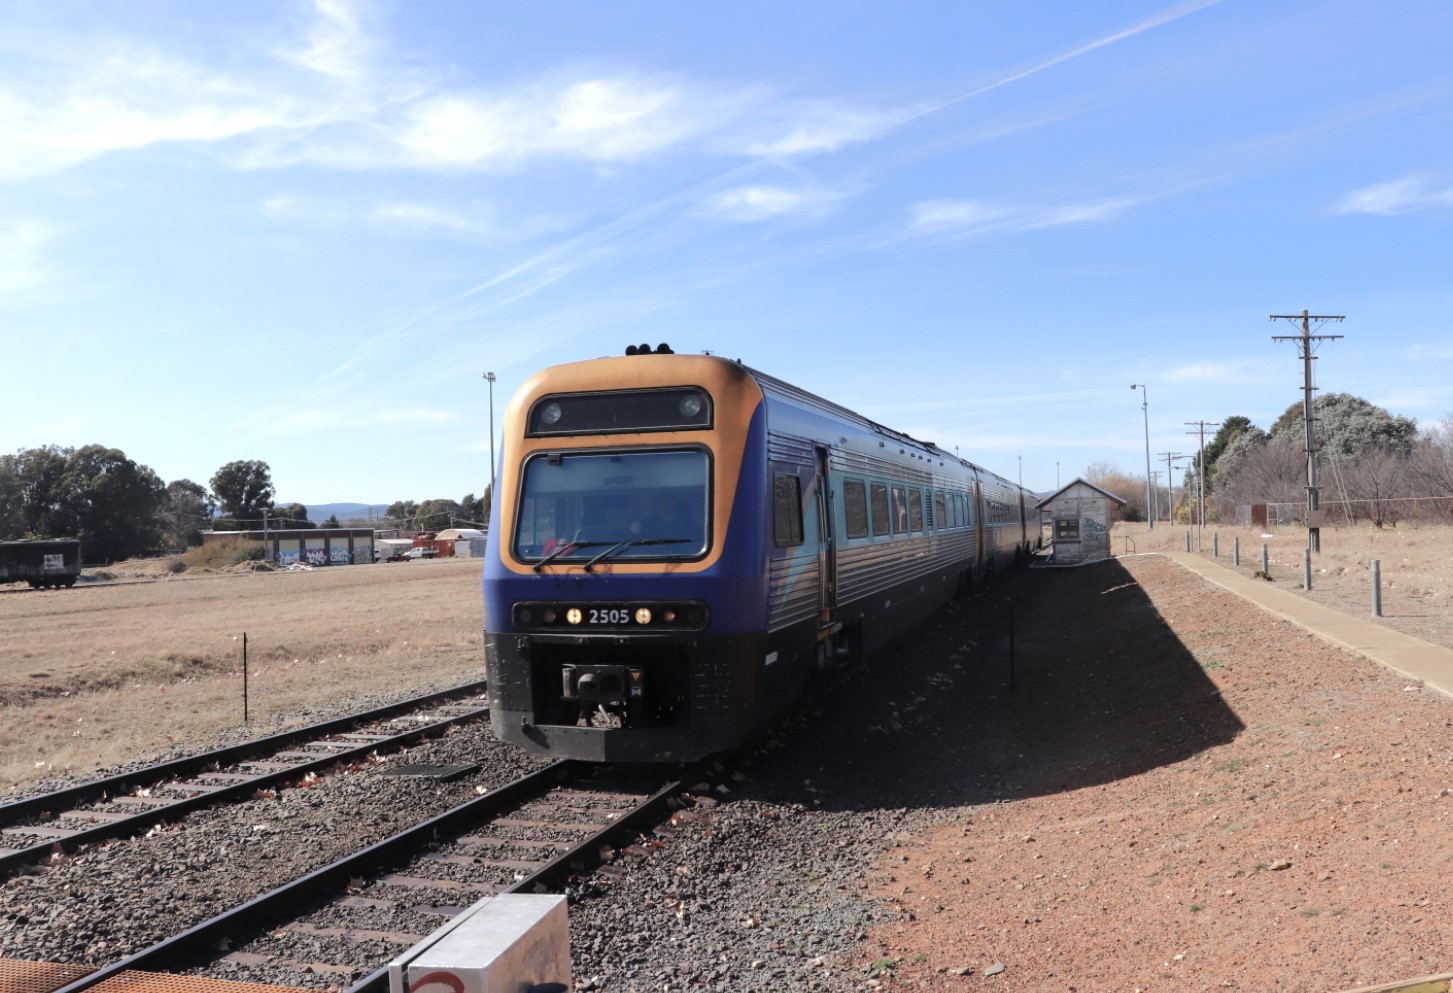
(827, 547)
(985, 557)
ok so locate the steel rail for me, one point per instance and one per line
(553, 874)
(68, 799)
(262, 912)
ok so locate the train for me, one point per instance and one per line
(680, 543)
(44, 564)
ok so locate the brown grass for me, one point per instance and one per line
(93, 676)
(1415, 565)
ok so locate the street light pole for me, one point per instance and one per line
(1145, 409)
(489, 378)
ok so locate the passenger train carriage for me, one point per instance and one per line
(680, 542)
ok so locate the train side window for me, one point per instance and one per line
(900, 511)
(881, 520)
(940, 515)
(855, 508)
(786, 509)
(915, 510)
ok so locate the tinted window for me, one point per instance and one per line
(855, 508)
(900, 511)
(786, 509)
(880, 509)
(939, 512)
(574, 506)
(915, 511)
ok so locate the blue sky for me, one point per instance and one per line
(302, 231)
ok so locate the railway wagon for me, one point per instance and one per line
(680, 542)
(42, 564)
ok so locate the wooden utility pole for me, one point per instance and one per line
(1201, 478)
(1307, 343)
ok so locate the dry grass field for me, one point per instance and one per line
(1416, 565)
(99, 674)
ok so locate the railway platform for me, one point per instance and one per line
(1404, 654)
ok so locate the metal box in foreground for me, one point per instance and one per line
(504, 943)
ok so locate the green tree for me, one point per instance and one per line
(244, 489)
(290, 515)
(436, 515)
(186, 512)
(401, 512)
(115, 503)
(332, 522)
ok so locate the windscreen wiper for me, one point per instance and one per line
(631, 543)
(567, 546)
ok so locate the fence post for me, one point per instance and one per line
(1265, 562)
(1377, 587)
(1307, 569)
(1215, 544)
(1236, 551)
(1188, 541)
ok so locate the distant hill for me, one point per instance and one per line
(320, 512)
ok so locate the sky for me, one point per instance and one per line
(301, 231)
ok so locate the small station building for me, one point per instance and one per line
(1079, 515)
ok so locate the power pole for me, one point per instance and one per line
(1307, 343)
(1200, 479)
(1170, 485)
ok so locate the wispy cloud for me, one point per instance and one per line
(22, 247)
(976, 217)
(761, 202)
(1398, 196)
(1429, 352)
(1230, 371)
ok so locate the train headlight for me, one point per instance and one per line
(690, 405)
(643, 615)
(669, 616)
(551, 413)
(551, 617)
(573, 615)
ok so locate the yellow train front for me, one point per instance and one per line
(679, 542)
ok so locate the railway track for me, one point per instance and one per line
(41, 827)
(341, 924)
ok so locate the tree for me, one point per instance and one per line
(94, 493)
(401, 512)
(115, 503)
(290, 515)
(1349, 425)
(1131, 489)
(244, 489)
(187, 510)
(436, 515)
(332, 522)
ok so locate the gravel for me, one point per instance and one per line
(877, 838)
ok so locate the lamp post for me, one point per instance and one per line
(1145, 409)
(489, 378)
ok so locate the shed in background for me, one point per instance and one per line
(1080, 522)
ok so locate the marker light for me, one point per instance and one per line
(573, 615)
(643, 616)
(690, 405)
(551, 414)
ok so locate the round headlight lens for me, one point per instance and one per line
(643, 615)
(573, 615)
(690, 405)
(551, 413)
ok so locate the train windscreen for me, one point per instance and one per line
(598, 506)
